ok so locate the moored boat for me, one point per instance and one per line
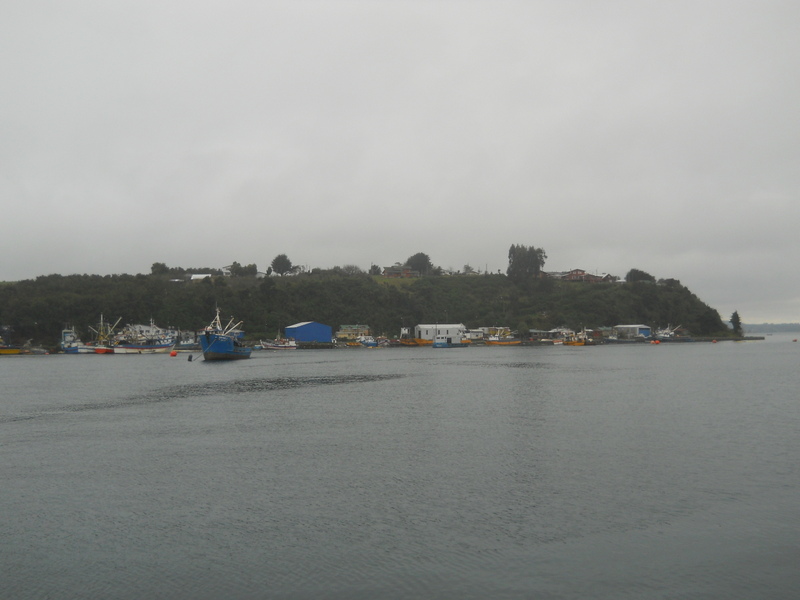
(279, 344)
(6, 348)
(134, 348)
(367, 341)
(71, 342)
(144, 339)
(223, 343)
(496, 340)
(103, 342)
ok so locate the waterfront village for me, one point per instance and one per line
(111, 338)
(151, 339)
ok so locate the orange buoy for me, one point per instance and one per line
(174, 353)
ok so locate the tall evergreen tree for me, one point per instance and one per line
(525, 262)
(736, 323)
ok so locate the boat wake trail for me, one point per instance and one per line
(247, 386)
(216, 388)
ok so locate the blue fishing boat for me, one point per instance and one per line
(223, 343)
(71, 342)
(367, 341)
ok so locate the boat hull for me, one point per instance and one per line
(222, 347)
(78, 350)
(446, 342)
(211, 355)
(415, 342)
(142, 349)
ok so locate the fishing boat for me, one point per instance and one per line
(223, 343)
(6, 348)
(279, 344)
(9, 348)
(144, 339)
(187, 341)
(582, 338)
(367, 341)
(71, 342)
(103, 342)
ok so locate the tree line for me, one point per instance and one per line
(521, 299)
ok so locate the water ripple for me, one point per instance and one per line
(239, 386)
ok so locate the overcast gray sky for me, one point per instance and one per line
(662, 136)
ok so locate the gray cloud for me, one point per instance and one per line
(660, 136)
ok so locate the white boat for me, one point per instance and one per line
(497, 340)
(666, 333)
(279, 344)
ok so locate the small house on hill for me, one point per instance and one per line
(398, 270)
(352, 332)
(310, 331)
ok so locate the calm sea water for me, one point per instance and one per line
(612, 472)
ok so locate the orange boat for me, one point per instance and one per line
(494, 340)
(415, 342)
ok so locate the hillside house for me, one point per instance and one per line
(400, 271)
(352, 332)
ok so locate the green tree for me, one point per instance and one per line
(281, 264)
(525, 262)
(159, 268)
(736, 323)
(238, 270)
(352, 270)
(420, 262)
(637, 275)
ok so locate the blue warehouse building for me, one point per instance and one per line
(310, 331)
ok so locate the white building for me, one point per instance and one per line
(428, 332)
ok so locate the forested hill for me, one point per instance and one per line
(38, 309)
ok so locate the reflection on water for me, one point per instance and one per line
(608, 472)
